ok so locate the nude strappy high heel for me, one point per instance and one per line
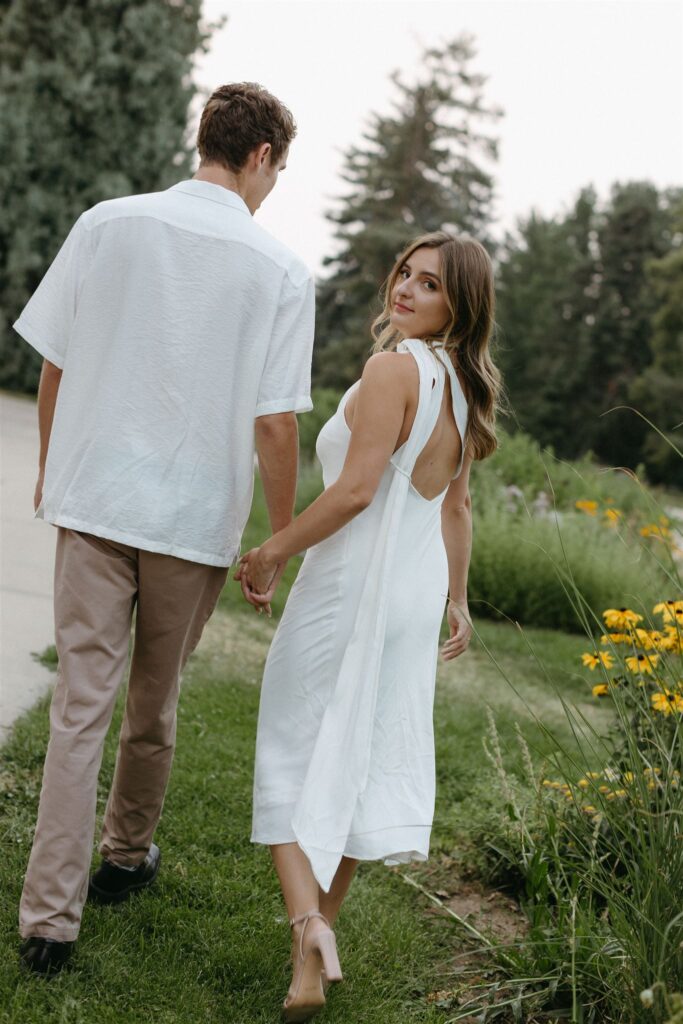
(307, 992)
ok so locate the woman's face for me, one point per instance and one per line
(418, 303)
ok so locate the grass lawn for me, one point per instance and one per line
(210, 941)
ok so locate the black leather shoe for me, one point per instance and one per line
(44, 956)
(111, 884)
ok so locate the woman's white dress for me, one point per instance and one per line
(345, 744)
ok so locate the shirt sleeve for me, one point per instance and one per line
(47, 319)
(286, 379)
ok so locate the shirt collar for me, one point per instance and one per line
(214, 193)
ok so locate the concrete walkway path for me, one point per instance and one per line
(26, 564)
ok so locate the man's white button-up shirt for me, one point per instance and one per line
(176, 320)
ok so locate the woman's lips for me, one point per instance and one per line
(401, 308)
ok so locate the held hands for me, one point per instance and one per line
(458, 618)
(259, 575)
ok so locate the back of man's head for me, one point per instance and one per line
(237, 119)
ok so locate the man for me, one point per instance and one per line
(177, 336)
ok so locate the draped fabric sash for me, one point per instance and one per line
(339, 766)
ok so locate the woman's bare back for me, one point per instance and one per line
(440, 457)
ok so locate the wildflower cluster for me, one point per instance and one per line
(612, 784)
(660, 531)
(611, 516)
(651, 661)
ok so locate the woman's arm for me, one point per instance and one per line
(456, 529)
(381, 405)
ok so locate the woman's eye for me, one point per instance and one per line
(430, 285)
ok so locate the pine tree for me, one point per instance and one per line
(95, 105)
(420, 168)
(575, 311)
(546, 290)
(658, 391)
(635, 229)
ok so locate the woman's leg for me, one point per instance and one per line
(299, 889)
(330, 902)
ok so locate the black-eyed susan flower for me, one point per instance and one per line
(621, 618)
(667, 702)
(672, 641)
(650, 639)
(600, 690)
(613, 515)
(615, 638)
(589, 507)
(642, 662)
(671, 610)
(592, 660)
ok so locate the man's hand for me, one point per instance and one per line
(38, 495)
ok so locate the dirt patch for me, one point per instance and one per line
(490, 911)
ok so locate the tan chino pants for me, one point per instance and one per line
(98, 583)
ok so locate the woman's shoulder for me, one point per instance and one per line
(390, 368)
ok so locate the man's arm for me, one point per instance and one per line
(50, 377)
(277, 447)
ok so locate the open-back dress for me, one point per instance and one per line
(345, 743)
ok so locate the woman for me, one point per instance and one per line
(345, 749)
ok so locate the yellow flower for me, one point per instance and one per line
(671, 610)
(615, 638)
(590, 507)
(597, 657)
(613, 515)
(642, 662)
(672, 641)
(667, 702)
(593, 775)
(651, 639)
(600, 690)
(653, 530)
(621, 618)
(628, 776)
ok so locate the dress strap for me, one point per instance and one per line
(432, 381)
(460, 407)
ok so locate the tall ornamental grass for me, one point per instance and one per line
(592, 840)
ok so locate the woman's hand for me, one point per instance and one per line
(259, 575)
(458, 618)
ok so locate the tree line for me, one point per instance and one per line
(590, 301)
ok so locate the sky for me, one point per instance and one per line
(592, 92)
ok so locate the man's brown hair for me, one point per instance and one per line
(239, 118)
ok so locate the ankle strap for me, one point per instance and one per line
(307, 917)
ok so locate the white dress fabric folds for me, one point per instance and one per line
(345, 744)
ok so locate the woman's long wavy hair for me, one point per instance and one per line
(467, 277)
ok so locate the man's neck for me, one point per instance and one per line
(217, 175)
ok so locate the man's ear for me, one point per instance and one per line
(264, 152)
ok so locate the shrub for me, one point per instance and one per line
(529, 569)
